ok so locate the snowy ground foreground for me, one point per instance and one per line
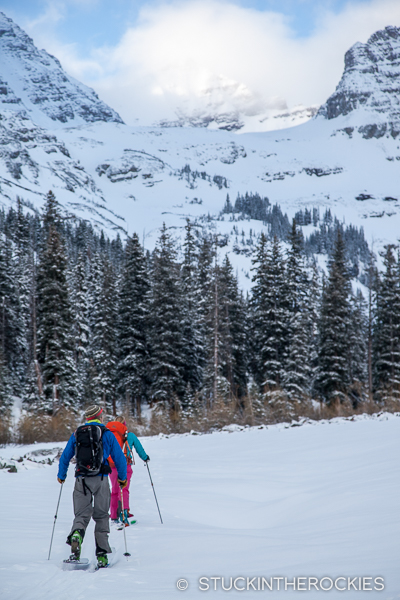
(317, 500)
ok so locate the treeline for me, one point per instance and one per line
(84, 319)
(320, 241)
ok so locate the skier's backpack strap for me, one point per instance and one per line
(130, 459)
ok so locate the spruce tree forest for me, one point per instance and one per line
(169, 339)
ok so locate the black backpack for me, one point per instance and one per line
(89, 450)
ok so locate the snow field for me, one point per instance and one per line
(317, 500)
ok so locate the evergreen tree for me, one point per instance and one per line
(358, 348)
(270, 315)
(191, 322)
(233, 346)
(133, 327)
(386, 331)
(55, 323)
(103, 335)
(166, 361)
(12, 340)
(24, 279)
(81, 326)
(333, 374)
(296, 378)
(257, 312)
(51, 216)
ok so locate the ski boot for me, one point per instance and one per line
(102, 561)
(76, 546)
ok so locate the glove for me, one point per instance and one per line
(123, 483)
(60, 480)
(147, 459)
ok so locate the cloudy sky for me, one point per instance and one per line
(146, 59)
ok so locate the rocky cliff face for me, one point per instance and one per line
(39, 102)
(370, 85)
(33, 81)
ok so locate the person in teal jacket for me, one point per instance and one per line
(128, 440)
(133, 442)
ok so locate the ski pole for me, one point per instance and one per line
(154, 491)
(126, 553)
(55, 518)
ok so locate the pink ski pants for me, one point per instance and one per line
(116, 493)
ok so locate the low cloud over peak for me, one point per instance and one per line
(195, 54)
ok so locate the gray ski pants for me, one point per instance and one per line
(95, 503)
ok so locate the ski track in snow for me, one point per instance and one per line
(317, 500)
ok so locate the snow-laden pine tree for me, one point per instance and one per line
(335, 324)
(25, 238)
(55, 325)
(9, 327)
(358, 349)
(24, 272)
(269, 329)
(386, 330)
(218, 379)
(166, 360)
(102, 347)
(51, 216)
(80, 309)
(257, 312)
(296, 377)
(233, 339)
(192, 346)
(133, 324)
(207, 308)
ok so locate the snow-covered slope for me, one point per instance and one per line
(134, 178)
(319, 500)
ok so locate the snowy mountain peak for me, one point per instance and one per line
(370, 85)
(34, 82)
(230, 105)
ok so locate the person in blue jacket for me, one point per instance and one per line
(91, 495)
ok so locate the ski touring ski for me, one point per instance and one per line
(120, 526)
(76, 565)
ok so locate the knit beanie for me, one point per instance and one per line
(93, 412)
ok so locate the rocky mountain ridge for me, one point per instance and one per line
(135, 178)
(34, 82)
(370, 86)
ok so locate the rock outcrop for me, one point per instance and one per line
(370, 85)
(33, 81)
